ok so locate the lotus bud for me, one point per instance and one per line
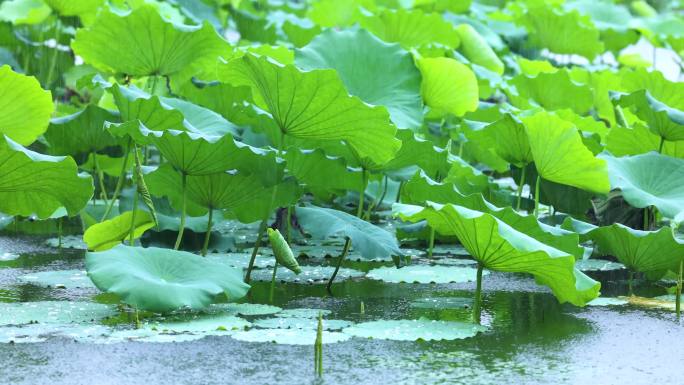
(281, 250)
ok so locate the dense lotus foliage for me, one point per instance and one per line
(531, 136)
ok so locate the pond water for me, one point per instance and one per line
(530, 338)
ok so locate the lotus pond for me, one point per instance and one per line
(341, 191)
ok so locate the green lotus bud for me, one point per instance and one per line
(281, 250)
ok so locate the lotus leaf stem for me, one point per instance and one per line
(273, 282)
(318, 347)
(184, 192)
(59, 232)
(345, 250)
(630, 283)
(119, 183)
(100, 178)
(431, 243)
(477, 304)
(207, 236)
(53, 59)
(678, 291)
(131, 230)
(255, 250)
(662, 144)
(536, 196)
(521, 183)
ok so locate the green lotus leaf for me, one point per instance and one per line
(663, 120)
(32, 183)
(336, 13)
(639, 139)
(415, 330)
(142, 43)
(105, 235)
(245, 195)
(299, 31)
(108, 165)
(509, 140)
(476, 49)
(20, 12)
(162, 280)
(301, 323)
(561, 32)
(369, 240)
(421, 190)
(424, 274)
(466, 178)
(289, 336)
(560, 156)
(417, 153)
(82, 132)
(562, 197)
(309, 274)
(650, 252)
(200, 119)
(498, 246)
(314, 105)
(62, 279)
(282, 252)
(390, 78)
(313, 169)
(613, 20)
(669, 92)
(650, 179)
(412, 29)
(25, 108)
(552, 91)
(84, 9)
(448, 86)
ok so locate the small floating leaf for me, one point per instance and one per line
(425, 274)
(65, 279)
(288, 336)
(413, 330)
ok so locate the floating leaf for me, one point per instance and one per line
(288, 336)
(61, 279)
(424, 274)
(162, 280)
(414, 330)
(59, 312)
(249, 309)
(301, 323)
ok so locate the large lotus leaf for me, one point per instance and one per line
(649, 252)
(86, 10)
(552, 91)
(560, 155)
(561, 32)
(200, 119)
(315, 105)
(613, 20)
(25, 108)
(448, 86)
(421, 190)
(650, 179)
(337, 13)
(669, 92)
(24, 11)
(192, 153)
(663, 120)
(417, 153)
(32, 183)
(508, 138)
(82, 132)
(498, 246)
(219, 97)
(222, 190)
(476, 49)
(466, 178)
(107, 234)
(412, 29)
(389, 77)
(162, 280)
(639, 139)
(142, 43)
(313, 168)
(259, 206)
(369, 240)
